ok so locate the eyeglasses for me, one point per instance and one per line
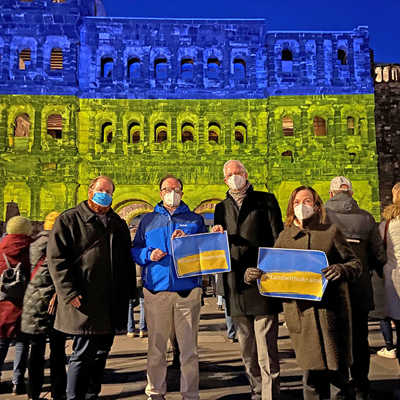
(169, 190)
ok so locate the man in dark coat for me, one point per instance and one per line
(89, 261)
(253, 219)
(361, 232)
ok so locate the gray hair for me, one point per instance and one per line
(242, 167)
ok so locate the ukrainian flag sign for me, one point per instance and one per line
(201, 254)
(293, 274)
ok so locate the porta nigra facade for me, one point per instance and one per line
(82, 95)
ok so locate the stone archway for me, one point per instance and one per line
(129, 209)
(207, 208)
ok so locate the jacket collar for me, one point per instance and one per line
(88, 214)
(249, 190)
(342, 202)
(182, 209)
(311, 223)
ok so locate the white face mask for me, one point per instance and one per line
(303, 211)
(172, 199)
(236, 182)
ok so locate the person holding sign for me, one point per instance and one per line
(252, 219)
(170, 303)
(320, 330)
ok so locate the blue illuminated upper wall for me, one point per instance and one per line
(170, 58)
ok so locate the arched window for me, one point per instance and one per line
(134, 132)
(187, 69)
(395, 73)
(161, 68)
(22, 125)
(239, 69)
(287, 61)
(214, 131)
(342, 56)
(56, 59)
(319, 126)
(287, 126)
(288, 154)
(24, 59)
(106, 132)
(187, 132)
(213, 67)
(240, 132)
(55, 126)
(350, 125)
(107, 66)
(160, 133)
(134, 69)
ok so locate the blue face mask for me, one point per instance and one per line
(102, 199)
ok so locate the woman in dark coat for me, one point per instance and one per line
(15, 247)
(38, 319)
(320, 331)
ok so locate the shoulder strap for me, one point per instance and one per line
(6, 260)
(386, 231)
(37, 266)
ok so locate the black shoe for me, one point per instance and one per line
(19, 388)
(5, 387)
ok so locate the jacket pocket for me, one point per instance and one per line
(292, 317)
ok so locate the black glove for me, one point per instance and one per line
(333, 272)
(252, 274)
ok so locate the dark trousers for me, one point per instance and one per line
(86, 365)
(58, 376)
(326, 384)
(361, 356)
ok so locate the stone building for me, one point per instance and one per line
(136, 98)
(387, 120)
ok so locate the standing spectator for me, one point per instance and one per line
(320, 331)
(38, 319)
(253, 219)
(170, 303)
(89, 261)
(361, 232)
(14, 250)
(390, 232)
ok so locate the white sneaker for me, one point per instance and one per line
(384, 352)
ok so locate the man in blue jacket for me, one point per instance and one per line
(170, 303)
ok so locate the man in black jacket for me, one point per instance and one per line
(361, 232)
(90, 263)
(253, 219)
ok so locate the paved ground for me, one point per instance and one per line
(221, 372)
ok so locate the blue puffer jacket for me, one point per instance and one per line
(154, 232)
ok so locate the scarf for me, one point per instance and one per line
(239, 195)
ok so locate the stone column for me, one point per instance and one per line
(37, 130)
(70, 194)
(3, 129)
(118, 133)
(72, 142)
(320, 61)
(174, 131)
(351, 61)
(34, 186)
(146, 132)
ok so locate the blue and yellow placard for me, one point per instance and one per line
(201, 254)
(293, 274)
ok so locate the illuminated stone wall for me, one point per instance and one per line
(387, 116)
(138, 98)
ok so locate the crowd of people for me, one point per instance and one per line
(82, 275)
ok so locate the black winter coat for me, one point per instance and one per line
(257, 224)
(361, 231)
(88, 259)
(35, 318)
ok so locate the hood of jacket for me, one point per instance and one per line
(342, 203)
(13, 244)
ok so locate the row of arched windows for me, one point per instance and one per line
(22, 126)
(56, 59)
(134, 68)
(134, 132)
(319, 126)
(55, 126)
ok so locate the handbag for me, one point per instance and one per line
(12, 283)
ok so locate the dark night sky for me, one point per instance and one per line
(382, 17)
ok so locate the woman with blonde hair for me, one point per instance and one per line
(390, 232)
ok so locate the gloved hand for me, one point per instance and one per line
(333, 272)
(252, 274)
